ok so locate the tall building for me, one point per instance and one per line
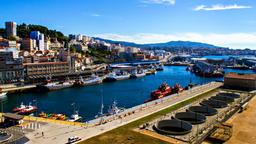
(28, 44)
(41, 42)
(39, 37)
(11, 29)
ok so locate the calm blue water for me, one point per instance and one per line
(127, 93)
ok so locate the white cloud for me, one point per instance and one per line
(233, 40)
(219, 7)
(166, 2)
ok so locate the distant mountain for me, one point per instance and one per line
(171, 44)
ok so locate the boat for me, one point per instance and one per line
(51, 86)
(25, 109)
(53, 116)
(137, 74)
(3, 94)
(93, 80)
(150, 71)
(113, 109)
(75, 117)
(177, 89)
(159, 68)
(164, 90)
(117, 76)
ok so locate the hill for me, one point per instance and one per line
(171, 44)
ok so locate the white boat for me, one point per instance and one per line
(75, 117)
(93, 80)
(137, 74)
(117, 76)
(159, 68)
(3, 94)
(58, 85)
(113, 109)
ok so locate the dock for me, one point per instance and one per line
(14, 88)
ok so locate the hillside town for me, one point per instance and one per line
(27, 53)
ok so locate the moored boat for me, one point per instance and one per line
(161, 92)
(137, 74)
(150, 71)
(3, 94)
(75, 117)
(52, 86)
(25, 109)
(159, 68)
(164, 90)
(117, 76)
(93, 80)
(113, 109)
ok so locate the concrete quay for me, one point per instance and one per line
(55, 132)
(14, 88)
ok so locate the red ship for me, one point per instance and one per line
(25, 109)
(177, 89)
(164, 90)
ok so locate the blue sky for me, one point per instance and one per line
(230, 23)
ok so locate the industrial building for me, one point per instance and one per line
(240, 81)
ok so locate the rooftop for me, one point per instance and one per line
(241, 76)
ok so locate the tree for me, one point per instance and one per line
(72, 49)
(12, 38)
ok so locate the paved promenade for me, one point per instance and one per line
(59, 133)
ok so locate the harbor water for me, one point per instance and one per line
(127, 93)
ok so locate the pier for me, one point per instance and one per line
(15, 88)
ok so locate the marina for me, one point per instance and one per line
(88, 98)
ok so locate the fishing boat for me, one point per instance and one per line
(3, 94)
(25, 109)
(53, 116)
(159, 68)
(164, 90)
(117, 76)
(137, 74)
(113, 109)
(75, 117)
(93, 80)
(51, 86)
(177, 89)
(150, 71)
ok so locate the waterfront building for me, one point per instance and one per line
(28, 44)
(11, 69)
(240, 81)
(11, 29)
(45, 69)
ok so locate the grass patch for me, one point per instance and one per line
(126, 135)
